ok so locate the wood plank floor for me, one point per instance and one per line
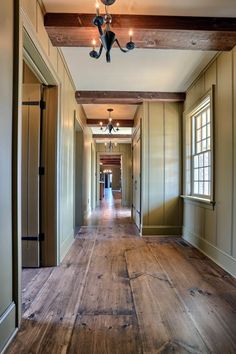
(118, 293)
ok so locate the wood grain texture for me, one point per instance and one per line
(126, 97)
(118, 293)
(168, 32)
(207, 301)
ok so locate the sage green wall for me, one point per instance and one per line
(126, 153)
(161, 168)
(7, 303)
(214, 230)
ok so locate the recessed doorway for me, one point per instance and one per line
(110, 175)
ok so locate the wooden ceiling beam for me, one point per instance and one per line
(111, 136)
(126, 97)
(160, 32)
(125, 123)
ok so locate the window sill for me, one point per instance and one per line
(205, 202)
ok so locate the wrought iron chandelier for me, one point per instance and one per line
(110, 126)
(109, 146)
(107, 37)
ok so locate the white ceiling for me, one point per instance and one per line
(150, 7)
(100, 111)
(139, 70)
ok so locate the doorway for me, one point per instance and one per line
(39, 171)
(110, 175)
(136, 206)
(79, 143)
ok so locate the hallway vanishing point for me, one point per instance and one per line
(118, 293)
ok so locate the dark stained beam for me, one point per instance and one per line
(125, 123)
(111, 136)
(126, 97)
(163, 32)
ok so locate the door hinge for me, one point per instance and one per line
(41, 237)
(41, 171)
(42, 104)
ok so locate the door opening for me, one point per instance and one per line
(39, 172)
(110, 175)
(79, 141)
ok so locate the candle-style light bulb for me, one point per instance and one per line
(94, 44)
(97, 8)
(130, 35)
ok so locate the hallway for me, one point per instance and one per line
(118, 293)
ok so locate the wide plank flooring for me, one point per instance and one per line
(118, 293)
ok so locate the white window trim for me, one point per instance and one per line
(193, 111)
(199, 108)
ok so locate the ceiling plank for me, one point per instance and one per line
(126, 97)
(125, 123)
(160, 32)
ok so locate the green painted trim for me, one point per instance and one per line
(161, 230)
(66, 245)
(218, 256)
(7, 325)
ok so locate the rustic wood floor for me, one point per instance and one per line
(118, 293)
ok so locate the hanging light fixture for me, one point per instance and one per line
(109, 146)
(110, 126)
(107, 37)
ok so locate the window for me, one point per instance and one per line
(202, 151)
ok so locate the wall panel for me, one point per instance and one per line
(223, 151)
(161, 166)
(30, 8)
(234, 155)
(213, 230)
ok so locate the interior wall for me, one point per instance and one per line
(126, 171)
(161, 169)
(213, 230)
(32, 19)
(7, 300)
(88, 178)
(28, 76)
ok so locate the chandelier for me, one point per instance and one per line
(109, 146)
(107, 37)
(110, 126)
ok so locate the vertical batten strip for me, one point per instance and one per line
(234, 147)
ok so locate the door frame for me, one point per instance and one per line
(99, 154)
(28, 48)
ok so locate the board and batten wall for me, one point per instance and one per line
(8, 201)
(161, 169)
(126, 172)
(213, 230)
(69, 110)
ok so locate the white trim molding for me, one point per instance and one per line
(218, 256)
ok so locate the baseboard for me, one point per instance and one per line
(7, 326)
(218, 256)
(152, 230)
(66, 245)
